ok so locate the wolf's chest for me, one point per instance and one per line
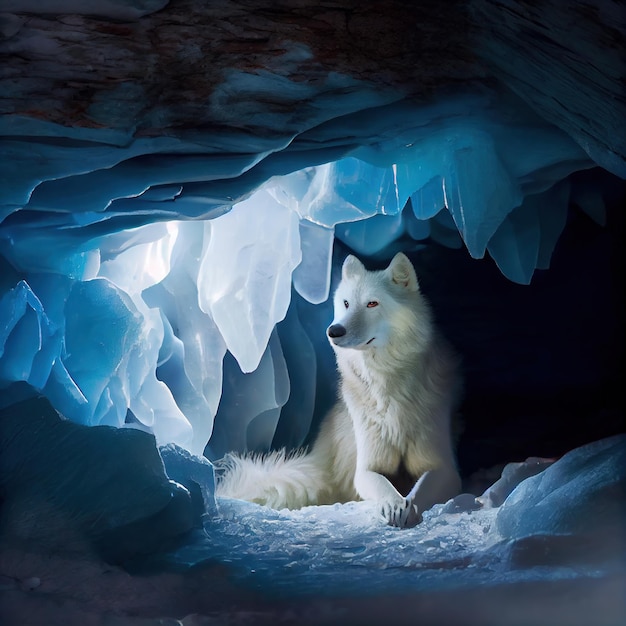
(377, 414)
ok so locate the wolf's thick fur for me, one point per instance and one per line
(388, 437)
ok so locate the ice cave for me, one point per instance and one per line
(180, 182)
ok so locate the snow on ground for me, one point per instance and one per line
(545, 546)
(542, 522)
(345, 548)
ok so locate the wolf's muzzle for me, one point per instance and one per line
(336, 330)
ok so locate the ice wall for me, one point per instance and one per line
(171, 325)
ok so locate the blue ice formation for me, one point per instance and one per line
(165, 284)
(589, 479)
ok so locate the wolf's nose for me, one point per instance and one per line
(336, 330)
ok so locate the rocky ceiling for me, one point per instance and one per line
(265, 71)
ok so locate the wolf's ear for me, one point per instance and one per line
(351, 267)
(402, 272)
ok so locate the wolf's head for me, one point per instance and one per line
(373, 309)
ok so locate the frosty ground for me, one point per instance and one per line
(545, 544)
(464, 545)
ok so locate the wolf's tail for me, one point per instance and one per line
(277, 479)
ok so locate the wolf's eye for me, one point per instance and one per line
(371, 304)
(345, 303)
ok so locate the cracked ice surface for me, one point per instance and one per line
(317, 546)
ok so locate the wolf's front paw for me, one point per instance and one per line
(401, 514)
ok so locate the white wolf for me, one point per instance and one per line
(388, 437)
